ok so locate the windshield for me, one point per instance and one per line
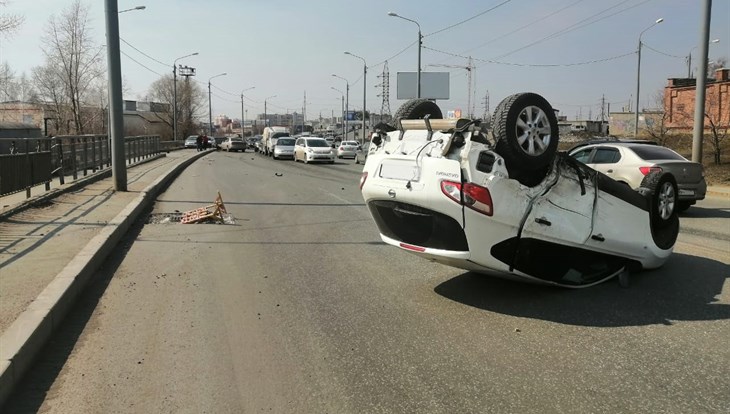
(317, 143)
(285, 141)
(279, 134)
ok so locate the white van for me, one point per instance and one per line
(269, 138)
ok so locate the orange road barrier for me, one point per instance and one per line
(212, 212)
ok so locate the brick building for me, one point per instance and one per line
(679, 101)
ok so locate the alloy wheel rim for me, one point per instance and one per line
(533, 131)
(667, 200)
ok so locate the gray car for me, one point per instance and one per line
(284, 148)
(630, 162)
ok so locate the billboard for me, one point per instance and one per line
(352, 115)
(434, 85)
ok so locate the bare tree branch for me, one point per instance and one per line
(9, 23)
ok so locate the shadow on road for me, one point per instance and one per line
(685, 289)
(32, 391)
(701, 212)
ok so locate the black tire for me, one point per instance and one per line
(662, 189)
(513, 118)
(417, 109)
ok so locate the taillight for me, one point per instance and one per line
(647, 170)
(363, 177)
(475, 197)
(342, 148)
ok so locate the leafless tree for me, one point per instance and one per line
(191, 102)
(9, 23)
(69, 47)
(657, 123)
(719, 127)
(715, 65)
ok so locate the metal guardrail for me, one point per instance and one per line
(33, 161)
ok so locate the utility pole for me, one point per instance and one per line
(116, 120)
(699, 122)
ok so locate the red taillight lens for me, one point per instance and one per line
(363, 177)
(475, 197)
(342, 148)
(647, 170)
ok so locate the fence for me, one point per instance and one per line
(33, 161)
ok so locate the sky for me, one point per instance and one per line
(576, 53)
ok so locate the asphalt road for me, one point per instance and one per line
(299, 307)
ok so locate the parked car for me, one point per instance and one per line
(630, 162)
(508, 203)
(347, 149)
(233, 144)
(311, 149)
(191, 141)
(284, 148)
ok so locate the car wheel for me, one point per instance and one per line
(417, 109)
(661, 187)
(526, 132)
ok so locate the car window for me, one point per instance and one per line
(279, 134)
(317, 143)
(583, 155)
(606, 156)
(285, 141)
(652, 152)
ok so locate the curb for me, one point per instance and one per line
(27, 335)
(715, 193)
(51, 194)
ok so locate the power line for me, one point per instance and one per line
(471, 18)
(396, 55)
(576, 26)
(533, 64)
(662, 53)
(524, 26)
(143, 53)
(135, 61)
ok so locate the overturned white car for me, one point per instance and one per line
(510, 205)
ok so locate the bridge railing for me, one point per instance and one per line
(27, 162)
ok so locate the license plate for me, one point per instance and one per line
(400, 170)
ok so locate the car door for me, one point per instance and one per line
(605, 160)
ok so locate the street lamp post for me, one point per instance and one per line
(420, 42)
(266, 121)
(174, 87)
(689, 58)
(210, 107)
(133, 9)
(342, 98)
(364, 92)
(243, 113)
(116, 121)
(347, 103)
(638, 79)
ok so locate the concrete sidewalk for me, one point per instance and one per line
(51, 244)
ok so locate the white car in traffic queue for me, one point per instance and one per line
(284, 148)
(512, 206)
(347, 149)
(313, 149)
